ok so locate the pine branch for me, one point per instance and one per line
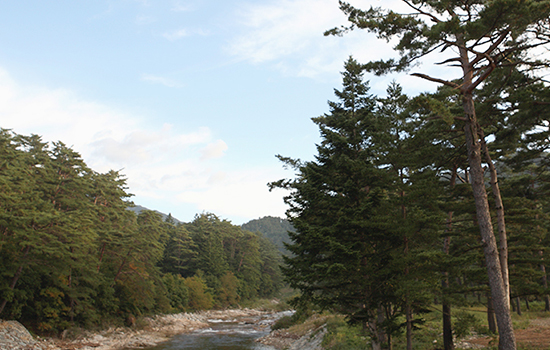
(481, 55)
(417, 9)
(436, 80)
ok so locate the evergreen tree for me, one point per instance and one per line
(485, 36)
(345, 254)
(72, 253)
(180, 254)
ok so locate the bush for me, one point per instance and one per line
(342, 336)
(465, 323)
(227, 293)
(283, 323)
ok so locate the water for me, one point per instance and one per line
(238, 334)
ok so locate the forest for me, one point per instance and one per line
(72, 254)
(438, 201)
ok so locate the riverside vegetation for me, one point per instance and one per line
(72, 254)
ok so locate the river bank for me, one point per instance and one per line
(155, 330)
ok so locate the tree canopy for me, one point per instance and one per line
(73, 254)
(480, 38)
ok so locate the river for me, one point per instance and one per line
(235, 334)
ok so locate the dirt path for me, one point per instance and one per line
(536, 335)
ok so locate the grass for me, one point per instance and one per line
(532, 330)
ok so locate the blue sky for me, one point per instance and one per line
(191, 100)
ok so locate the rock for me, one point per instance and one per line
(311, 341)
(131, 321)
(282, 339)
(14, 336)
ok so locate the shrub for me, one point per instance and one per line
(282, 323)
(199, 298)
(465, 323)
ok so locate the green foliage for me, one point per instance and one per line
(199, 296)
(228, 290)
(176, 291)
(365, 213)
(274, 229)
(282, 323)
(73, 254)
(465, 324)
(341, 336)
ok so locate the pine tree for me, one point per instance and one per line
(180, 254)
(485, 36)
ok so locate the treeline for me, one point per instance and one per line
(72, 254)
(386, 222)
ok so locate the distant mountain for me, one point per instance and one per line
(138, 209)
(273, 228)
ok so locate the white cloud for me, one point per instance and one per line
(288, 34)
(164, 166)
(183, 32)
(145, 19)
(151, 78)
(283, 28)
(179, 7)
(214, 150)
(145, 146)
(240, 194)
(176, 34)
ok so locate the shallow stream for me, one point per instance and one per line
(235, 334)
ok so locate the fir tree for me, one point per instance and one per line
(344, 252)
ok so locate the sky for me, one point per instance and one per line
(190, 100)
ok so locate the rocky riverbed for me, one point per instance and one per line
(13, 336)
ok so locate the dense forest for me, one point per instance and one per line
(73, 254)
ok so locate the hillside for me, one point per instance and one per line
(275, 229)
(138, 209)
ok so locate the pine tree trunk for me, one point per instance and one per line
(380, 318)
(408, 315)
(377, 333)
(491, 315)
(501, 224)
(446, 305)
(518, 306)
(102, 251)
(544, 281)
(447, 328)
(121, 267)
(507, 339)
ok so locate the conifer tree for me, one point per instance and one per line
(344, 251)
(485, 36)
(180, 254)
